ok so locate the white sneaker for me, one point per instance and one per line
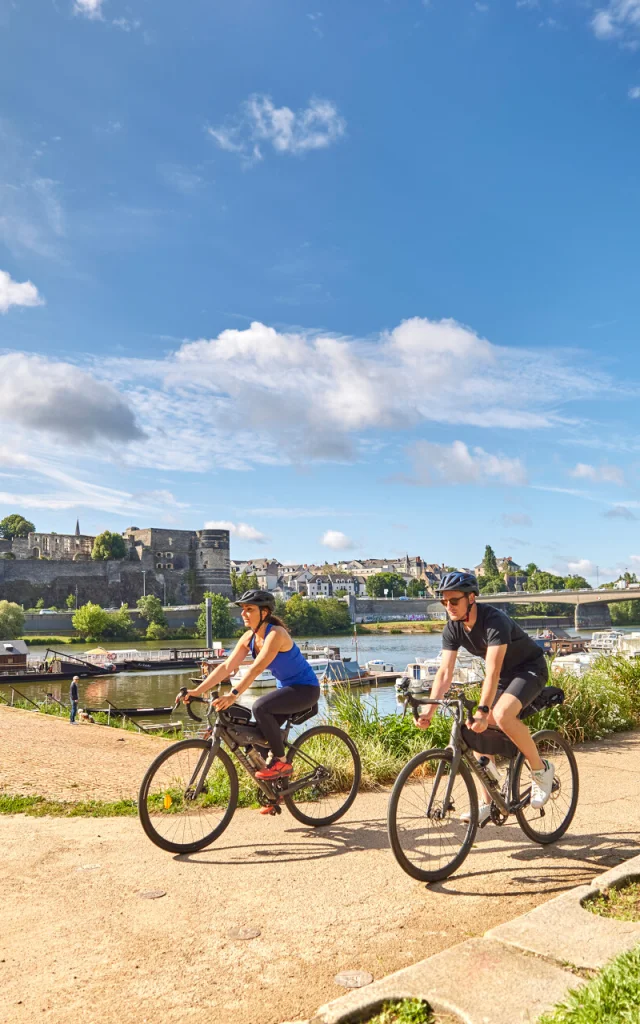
(541, 783)
(484, 812)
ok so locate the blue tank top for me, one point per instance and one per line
(289, 667)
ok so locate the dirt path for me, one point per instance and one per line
(77, 942)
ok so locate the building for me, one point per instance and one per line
(57, 547)
(203, 553)
(267, 571)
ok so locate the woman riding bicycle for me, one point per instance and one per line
(269, 643)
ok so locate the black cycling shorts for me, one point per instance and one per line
(526, 682)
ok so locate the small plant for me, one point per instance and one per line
(620, 902)
(407, 1011)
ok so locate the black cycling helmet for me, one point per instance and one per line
(466, 582)
(261, 598)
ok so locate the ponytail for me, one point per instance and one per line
(274, 620)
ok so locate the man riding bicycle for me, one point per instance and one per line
(516, 673)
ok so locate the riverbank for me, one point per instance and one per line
(407, 626)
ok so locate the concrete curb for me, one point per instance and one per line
(515, 972)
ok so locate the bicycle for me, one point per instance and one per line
(189, 793)
(433, 809)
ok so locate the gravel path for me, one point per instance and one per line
(77, 942)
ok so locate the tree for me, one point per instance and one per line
(489, 563)
(576, 583)
(416, 588)
(253, 582)
(234, 582)
(530, 569)
(334, 615)
(15, 526)
(150, 608)
(108, 545)
(492, 585)
(90, 621)
(541, 580)
(340, 592)
(303, 617)
(120, 625)
(222, 622)
(381, 581)
(70, 601)
(39, 603)
(11, 620)
(156, 631)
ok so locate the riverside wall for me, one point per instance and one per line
(388, 609)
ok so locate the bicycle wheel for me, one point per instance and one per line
(329, 760)
(548, 823)
(428, 840)
(169, 814)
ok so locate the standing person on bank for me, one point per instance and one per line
(268, 642)
(73, 695)
(516, 673)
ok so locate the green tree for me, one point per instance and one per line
(340, 592)
(108, 545)
(334, 615)
(381, 581)
(15, 526)
(492, 584)
(234, 582)
(623, 613)
(489, 563)
(156, 631)
(541, 580)
(253, 582)
(303, 617)
(242, 583)
(530, 569)
(576, 583)
(120, 625)
(416, 588)
(70, 601)
(223, 623)
(11, 620)
(150, 608)
(91, 621)
(39, 603)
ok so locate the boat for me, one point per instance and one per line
(377, 666)
(558, 641)
(606, 640)
(577, 663)
(418, 676)
(133, 660)
(52, 667)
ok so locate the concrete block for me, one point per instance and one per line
(477, 982)
(564, 930)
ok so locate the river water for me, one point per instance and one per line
(149, 689)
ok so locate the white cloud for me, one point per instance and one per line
(582, 567)
(599, 474)
(62, 400)
(13, 293)
(240, 530)
(617, 20)
(634, 92)
(337, 541)
(31, 214)
(436, 464)
(127, 24)
(619, 512)
(90, 8)
(315, 127)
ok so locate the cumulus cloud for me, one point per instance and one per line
(240, 530)
(90, 8)
(337, 541)
(605, 473)
(618, 19)
(261, 123)
(634, 92)
(13, 293)
(62, 400)
(516, 519)
(582, 567)
(619, 512)
(435, 464)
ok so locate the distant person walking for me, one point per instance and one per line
(73, 694)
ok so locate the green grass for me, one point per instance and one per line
(39, 806)
(621, 902)
(612, 997)
(407, 1011)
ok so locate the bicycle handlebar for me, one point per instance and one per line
(469, 705)
(188, 701)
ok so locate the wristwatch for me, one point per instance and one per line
(481, 707)
(236, 693)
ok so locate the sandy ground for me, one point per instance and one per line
(78, 942)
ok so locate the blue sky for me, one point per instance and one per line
(355, 278)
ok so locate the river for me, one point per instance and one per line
(149, 689)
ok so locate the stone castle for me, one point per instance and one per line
(177, 566)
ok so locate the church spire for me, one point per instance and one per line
(77, 527)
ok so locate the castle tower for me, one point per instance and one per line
(212, 562)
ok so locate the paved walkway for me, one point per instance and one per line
(79, 943)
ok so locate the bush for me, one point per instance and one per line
(11, 620)
(91, 621)
(156, 632)
(150, 608)
(120, 625)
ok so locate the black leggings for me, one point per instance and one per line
(273, 708)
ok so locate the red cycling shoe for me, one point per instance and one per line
(275, 771)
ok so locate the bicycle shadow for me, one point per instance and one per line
(307, 844)
(589, 855)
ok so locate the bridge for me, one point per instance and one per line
(591, 606)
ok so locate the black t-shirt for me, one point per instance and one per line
(492, 629)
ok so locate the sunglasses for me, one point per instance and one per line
(452, 600)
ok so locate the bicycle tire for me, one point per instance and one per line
(423, 874)
(146, 818)
(337, 812)
(525, 823)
